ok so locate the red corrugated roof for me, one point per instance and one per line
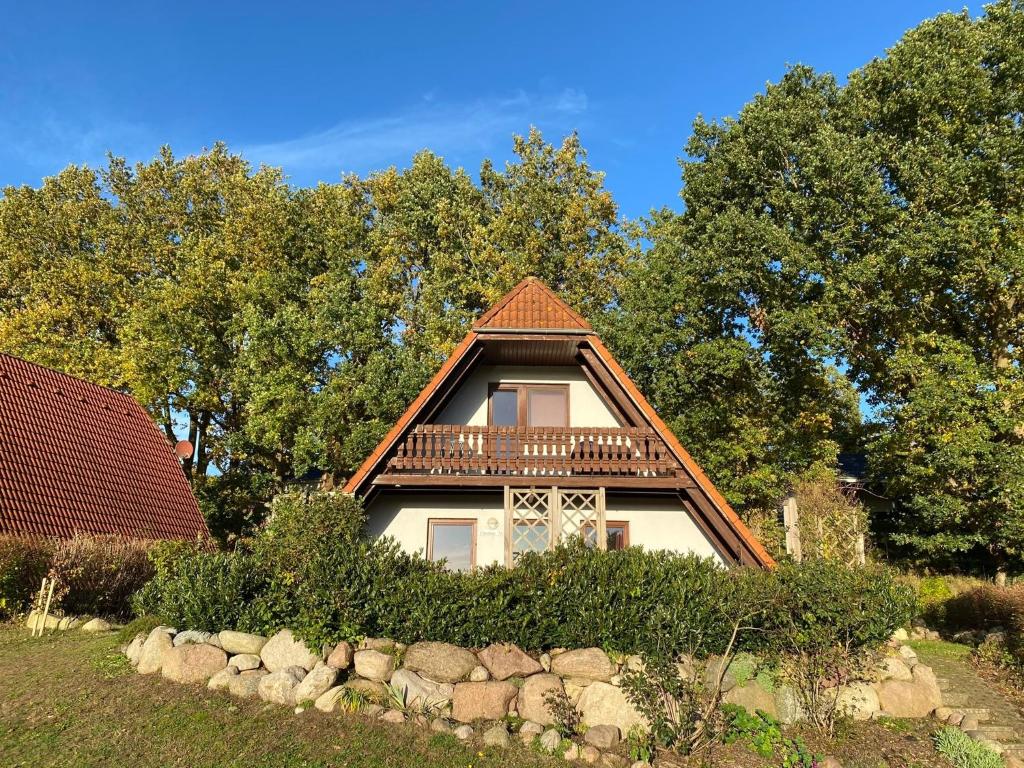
(531, 305)
(78, 457)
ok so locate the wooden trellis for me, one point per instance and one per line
(538, 518)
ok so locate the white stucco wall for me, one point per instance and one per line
(659, 522)
(469, 403)
(654, 522)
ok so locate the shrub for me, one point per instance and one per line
(99, 574)
(24, 562)
(309, 569)
(963, 752)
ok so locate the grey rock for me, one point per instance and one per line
(221, 681)
(442, 662)
(393, 716)
(496, 736)
(604, 704)
(192, 663)
(419, 692)
(440, 725)
(192, 636)
(372, 689)
(529, 731)
(245, 685)
(285, 650)
(278, 688)
(296, 671)
(243, 662)
(316, 683)
(328, 700)
(151, 657)
(603, 736)
(374, 665)
(134, 649)
(240, 642)
(584, 664)
(590, 754)
(550, 740)
(94, 625)
(463, 732)
(479, 674)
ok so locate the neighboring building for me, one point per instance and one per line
(76, 457)
(530, 433)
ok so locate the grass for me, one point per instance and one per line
(940, 649)
(72, 699)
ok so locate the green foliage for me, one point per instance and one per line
(568, 719)
(963, 751)
(23, 564)
(638, 745)
(309, 571)
(142, 624)
(286, 329)
(763, 734)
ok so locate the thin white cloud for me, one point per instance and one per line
(451, 129)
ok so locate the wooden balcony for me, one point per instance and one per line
(452, 449)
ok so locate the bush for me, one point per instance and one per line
(963, 752)
(24, 562)
(310, 569)
(99, 574)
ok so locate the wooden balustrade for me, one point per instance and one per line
(475, 450)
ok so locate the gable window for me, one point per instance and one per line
(454, 541)
(528, 405)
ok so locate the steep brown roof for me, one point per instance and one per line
(77, 457)
(531, 305)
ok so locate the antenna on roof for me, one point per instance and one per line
(183, 449)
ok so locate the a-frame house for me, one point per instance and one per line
(530, 433)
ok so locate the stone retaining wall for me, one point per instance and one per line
(463, 691)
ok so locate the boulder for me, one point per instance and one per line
(243, 662)
(545, 661)
(788, 705)
(550, 740)
(909, 655)
(532, 702)
(341, 656)
(572, 753)
(604, 704)
(442, 662)
(278, 688)
(35, 621)
(496, 736)
(504, 660)
(463, 732)
(194, 637)
(858, 700)
(529, 731)
(68, 622)
(900, 635)
(603, 736)
(374, 665)
(419, 692)
(482, 701)
(241, 642)
(373, 690)
(714, 668)
(221, 681)
(151, 658)
(479, 674)
(584, 664)
(900, 698)
(440, 725)
(611, 760)
(193, 663)
(95, 625)
(589, 754)
(285, 650)
(393, 716)
(328, 700)
(382, 644)
(893, 668)
(246, 685)
(752, 697)
(134, 649)
(317, 682)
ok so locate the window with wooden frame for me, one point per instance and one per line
(528, 405)
(454, 541)
(616, 533)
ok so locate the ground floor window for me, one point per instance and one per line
(454, 541)
(616, 534)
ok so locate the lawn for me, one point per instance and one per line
(73, 700)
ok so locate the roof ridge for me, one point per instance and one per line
(536, 313)
(67, 375)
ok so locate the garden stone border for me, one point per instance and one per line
(470, 702)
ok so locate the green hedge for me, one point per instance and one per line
(313, 572)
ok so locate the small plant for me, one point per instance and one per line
(352, 700)
(143, 624)
(963, 751)
(763, 734)
(568, 719)
(639, 745)
(398, 698)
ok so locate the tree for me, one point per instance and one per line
(875, 229)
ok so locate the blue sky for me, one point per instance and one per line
(358, 87)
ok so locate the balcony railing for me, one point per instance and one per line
(457, 449)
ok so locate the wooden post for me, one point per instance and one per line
(38, 606)
(46, 611)
(791, 521)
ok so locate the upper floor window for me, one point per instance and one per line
(528, 405)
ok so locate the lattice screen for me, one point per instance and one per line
(529, 520)
(537, 518)
(580, 514)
